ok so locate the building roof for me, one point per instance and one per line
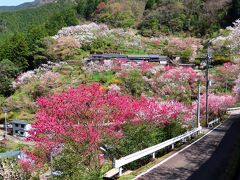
(154, 56)
(19, 122)
(137, 56)
(111, 55)
(10, 154)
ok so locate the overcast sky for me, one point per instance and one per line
(13, 2)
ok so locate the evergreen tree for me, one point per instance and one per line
(81, 8)
(16, 50)
(8, 70)
(236, 9)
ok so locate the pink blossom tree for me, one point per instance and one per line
(224, 76)
(79, 119)
(218, 104)
(176, 83)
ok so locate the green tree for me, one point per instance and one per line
(90, 7)
(38, 53)
(67, 17)
(8, 71)
(236, 8)
(150, 4)
(16, 50)
(134, 83)
(81, 8)
(35, 35)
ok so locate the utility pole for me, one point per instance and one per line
(198, 105)
(5, 110)
(209, 55)
(227, 81)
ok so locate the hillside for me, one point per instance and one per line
(98, 80)
(198, 18)
(26, 5)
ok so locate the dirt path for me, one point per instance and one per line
(207, 159)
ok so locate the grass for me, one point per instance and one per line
(104, 77)
(134, 51)
(12, 146)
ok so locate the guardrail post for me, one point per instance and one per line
(154, 155)
(113, 162)
(172, 146)
(120, 171)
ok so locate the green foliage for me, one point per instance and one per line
(186, 54)
(101, 45)
(122, 13)
(2, 148)
(66, 17)
(134, 83)
(196, 17)
(174, 129)
(22, 20)
(150, 4)
(120, 19)
(74, 166)
(140, 136)
(81, 8)
(85, 8)
(104, 77)
(16, 50)
(7, 70)
(234, 12)
(219, 60)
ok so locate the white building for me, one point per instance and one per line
(20, 128)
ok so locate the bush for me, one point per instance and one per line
(101, 45)
(186, 55)
(120, 19)
(134, 83)
(219, 60)
(104, 77)
(71, 165)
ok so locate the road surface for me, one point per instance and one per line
(207, 159)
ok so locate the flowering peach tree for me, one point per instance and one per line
(80, 119)
(218, 104)
(224, 77)
(176, 83)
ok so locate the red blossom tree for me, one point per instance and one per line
(79, 119)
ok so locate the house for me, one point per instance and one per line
(100, 57)
(163, 60)
(20, 128)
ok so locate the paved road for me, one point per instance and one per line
(207, 159)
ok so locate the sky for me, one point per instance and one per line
(13, 2)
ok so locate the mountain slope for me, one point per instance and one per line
(26, 5)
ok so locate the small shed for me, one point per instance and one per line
(20, 128)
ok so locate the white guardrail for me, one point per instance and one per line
(233, 109)
(119, 163)
(211, 124)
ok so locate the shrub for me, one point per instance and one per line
(134, 83)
